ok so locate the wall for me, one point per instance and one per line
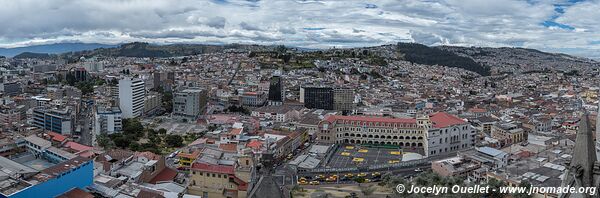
(450, 139)
(78, 178)
(212, 183)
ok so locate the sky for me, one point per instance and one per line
(567, 26)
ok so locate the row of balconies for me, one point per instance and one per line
(388, 137)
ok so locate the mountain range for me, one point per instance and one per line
(57, 48)
(482, 60)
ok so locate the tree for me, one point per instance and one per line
(167, 98)
(85, 87)
(421, 54)
(359, 180)
(122, 141)
(151, 147)
(367, 190)
(162, 131)
(70, 79)
(150, 132)
(523, 184)
(134, 146)
(104, 141)
(133, 128)
(174, 140)
(376, 74)
(114, 81)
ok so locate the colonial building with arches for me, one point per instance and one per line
(450, 132)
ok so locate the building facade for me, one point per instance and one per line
(210, 180)
(189, 103)
(508, 133)
(152, 103)
(318, 98)
(276, 90)
(254, 99)
(56, 120)
(11, 88)
(435, 134)
(449, 133)
(54, 181)
(108, 120)
(402, 132)
(343, 99)
(131, 97)
(328, 98)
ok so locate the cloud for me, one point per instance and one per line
(216, 22)
(555, 25)
(287, 30)
(247, 26)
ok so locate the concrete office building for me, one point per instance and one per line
(276, 90)
(328, 98)
(131, 97)
(254, 99)
(343, 99)
(56, 120)
(189, 103)
(11, 88)
(108, 120)
(318, 98)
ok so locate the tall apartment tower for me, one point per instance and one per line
(189, 103)
(131, 97)
(343, 99)
(276, 89)
(157, 80)
(328, 98)
(107, 120)
(318, 98)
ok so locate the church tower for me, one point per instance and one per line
(583, 171)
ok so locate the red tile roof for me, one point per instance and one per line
(76, 193)
(255, 144)
(198, 141)
(148, 155)
(242, 185)
(332, 118)
(235, 131)
(192, 155)
(87, 154)
(443, 120)
(77, 147)
(477, 110)
(212, 168)
(228, 147)
(56, 136)
(145, 193)
(166, 174)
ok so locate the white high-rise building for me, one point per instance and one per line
(131, 97)
(107, 120)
